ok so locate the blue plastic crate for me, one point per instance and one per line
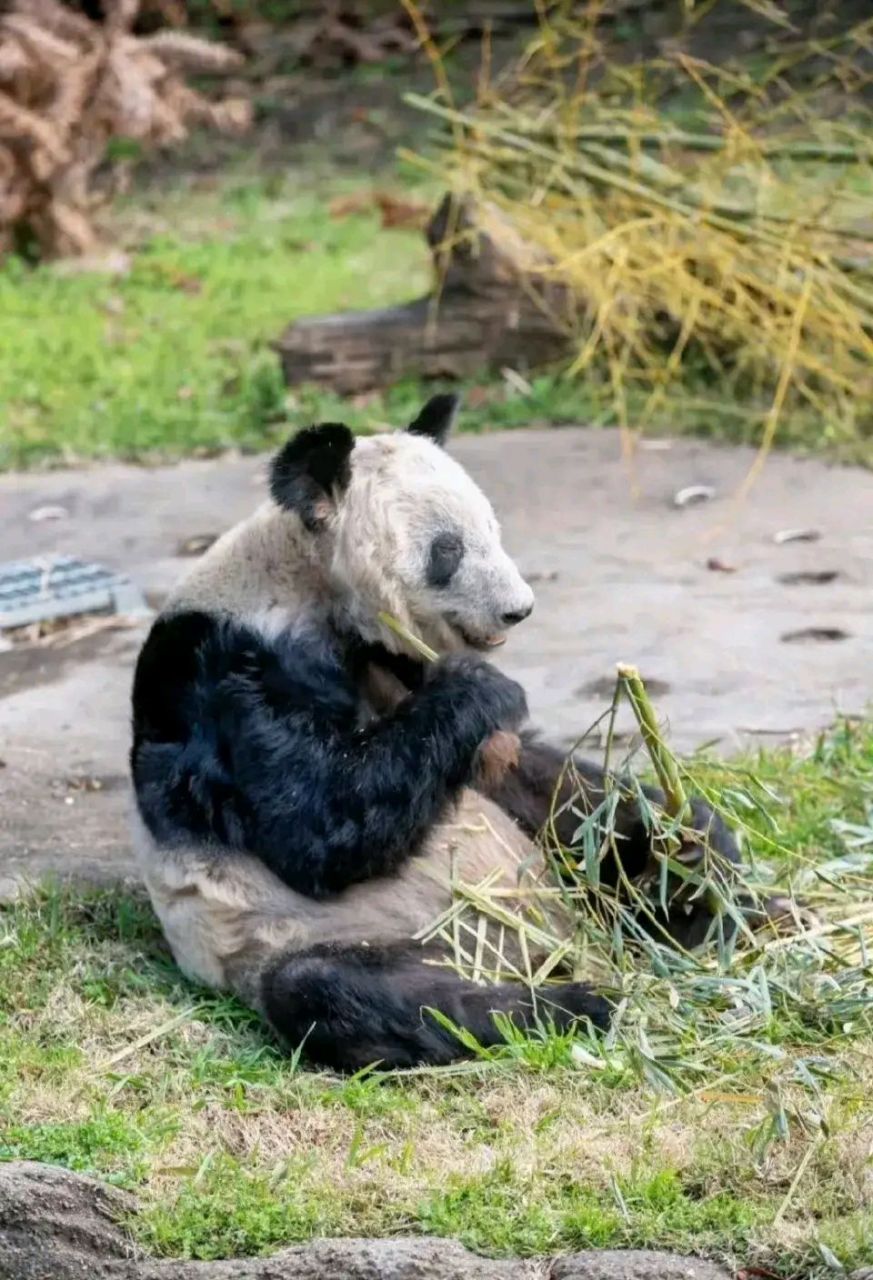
(53, 587)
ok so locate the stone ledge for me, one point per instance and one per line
(57, 1225)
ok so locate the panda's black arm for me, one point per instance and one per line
(333, 808)
(249, 743)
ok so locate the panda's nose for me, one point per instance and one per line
(517, 615)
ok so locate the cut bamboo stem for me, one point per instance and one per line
(394, 624)
(664, 763)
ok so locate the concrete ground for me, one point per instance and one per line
(735, 646)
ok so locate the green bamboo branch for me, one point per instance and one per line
(394, 624)
(663, 761)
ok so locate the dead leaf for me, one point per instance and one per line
(796, 535)
(719, 566)
(83, 784)
(39, 514)
(477, 396)
(395, 211)
(692, 494)
(184, 282)
(196, 544)
(398, 212)
(344, 206)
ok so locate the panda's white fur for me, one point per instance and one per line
(369, 556)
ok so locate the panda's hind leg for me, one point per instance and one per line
(353, 1006)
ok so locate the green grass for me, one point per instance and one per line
(173, 358)
(110, 1063)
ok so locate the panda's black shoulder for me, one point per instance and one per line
(194, 662)
(166, 669)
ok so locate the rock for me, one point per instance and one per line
(57, 1225)
(634, 1264)
(419, 1258)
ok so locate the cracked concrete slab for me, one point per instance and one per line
(735, 645)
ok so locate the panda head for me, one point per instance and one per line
(399, 526)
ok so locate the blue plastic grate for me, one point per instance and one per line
(54, 587)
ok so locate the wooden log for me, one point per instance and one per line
(490, 308)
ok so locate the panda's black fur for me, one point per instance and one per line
(246, 743)
(295, 835)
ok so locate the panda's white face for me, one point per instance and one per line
(413, 535)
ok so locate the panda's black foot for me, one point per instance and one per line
(351, 1007)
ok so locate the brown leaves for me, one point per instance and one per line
(67, 87)
(336, 37)
(395, 211)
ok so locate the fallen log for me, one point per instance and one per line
(490, 308)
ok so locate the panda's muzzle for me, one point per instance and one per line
(477, 642)
(497, 638)
(520, 604)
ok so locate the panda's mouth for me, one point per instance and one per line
(481, 642)
(471, 639)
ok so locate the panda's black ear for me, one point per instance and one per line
(308, 472)
(436, 418)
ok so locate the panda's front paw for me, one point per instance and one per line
(500, 701)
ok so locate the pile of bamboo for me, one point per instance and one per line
(733, 253)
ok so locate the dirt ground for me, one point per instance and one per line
(742, 638)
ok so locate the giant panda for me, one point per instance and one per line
(303, 779)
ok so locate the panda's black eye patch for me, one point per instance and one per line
(446, 553)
